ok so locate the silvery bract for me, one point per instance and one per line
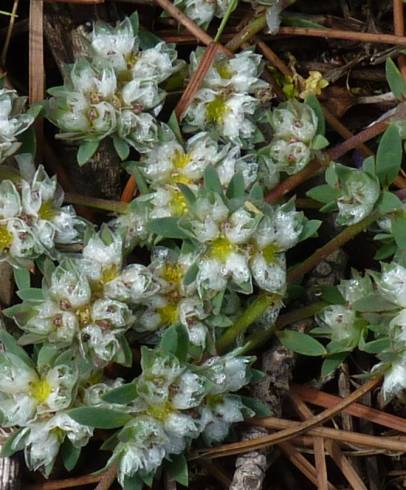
(203, 11)
(13, 121)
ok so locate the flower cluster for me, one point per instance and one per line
(87, 303)
(33, 221)
(173, 405)
(203, 11)
(14, 120)
(114, 91)
(229, 97)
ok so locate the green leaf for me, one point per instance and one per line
(122, 395)
(191, 274)
(368, 165)
(389, 156)
(99, 418)
(70, 454)
(133, 483)
(187, 194)
(173, 123)
(175, 340)
(301, 343)
(320, 142)
(310, 228)
(236, 187)
(14, 443)
(178, 469)
(135, 22)
(166, 227)
(86, 150)
(377, 346)
(399, 230)
(295, 21)
(10, 345)
(387, 250)
(373, 303)
(389, 202)
(211, 180)
(47, 354)
(132, 168)
(148, 40)
(31, 294)
(22, 277)
(323, 193)
(122, 147)
(395, 79)
(313, 102)
(28, 141)
(332, 362)
(260, 408)
(332, 295)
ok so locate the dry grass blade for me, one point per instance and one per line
(394, 444)
(326, 400)
(333, 449)
(318, 444)
(302, 464)
(196, 79)
(108, 478)
(80, 481)
(289, 432)
(36, 52)
(9, 32)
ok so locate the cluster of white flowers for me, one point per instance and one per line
(175, 404)
(294, 127)
(32, 219)
(115, 90)
(203, 11)
(87, 304)
(14, 120)
(229, 97)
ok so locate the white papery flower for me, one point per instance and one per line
(269, 271)
(392, 283)
(281, 228)
(228, 373)
(157, 63)
(355, 288)
(135, 283)
(394, 383)
(13, 122)
(340, 319)
(102, 345)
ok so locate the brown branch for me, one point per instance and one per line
(79, 481)
(288, 432)
(108, 478)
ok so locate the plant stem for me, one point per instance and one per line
(247, 33)
(257, 339)
(96, 203)
(230, 9)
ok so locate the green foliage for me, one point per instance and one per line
(301, 343)
(99, 418)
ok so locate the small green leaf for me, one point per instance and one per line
(14, 443)
(389, 156)
(99, 418)
(187, 194)
(310, 228)
(211, 180)
(22, 277)
(122, 395)
(132, 168)
(175, 340)
(301, 343)
(389, 202)
(122, 147)
(320, 142)
(133, 483)
(387, 250)
(178, 469)
(322, 193)
(332, 295)
(313, 102)
(86, 150)
(373, 303)
(173, 123)
(399, 230)
(70, 454)
(191, 274)
(166, 227)
(260, 408)
(31, 294)
(28, 141)
(135, 22)
(47, 354)
(377, 346)
(332, 362)
(147, 39)
(236, 187)
(395, 79)
(10, 345)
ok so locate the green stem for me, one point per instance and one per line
(264, 301)
(252, 313)
(96, 203)
(257, 339)
(247, 33)
(230, 9)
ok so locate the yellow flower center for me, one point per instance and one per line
(169, 314)
(216, 110)
(178, 203)
(108, 274)
(270, 252)
(224, 70)
(221, 248)
(160, 412)
(179, 161)
(40, 390)
(172, 273)
(84, 316)
(47, 210)
(6, 238)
